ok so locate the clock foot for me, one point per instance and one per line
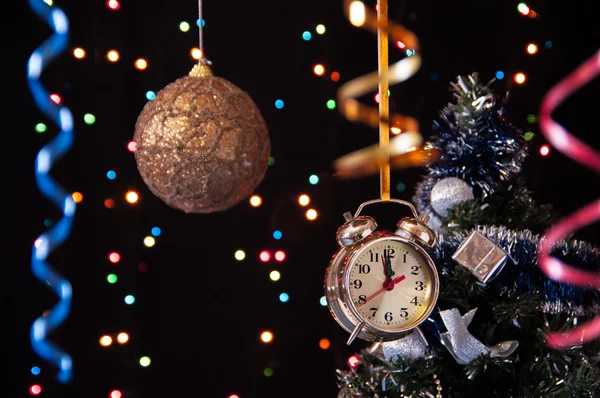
(355, 332)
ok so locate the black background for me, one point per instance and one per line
(199, 313)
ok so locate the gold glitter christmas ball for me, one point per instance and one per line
(202, 144)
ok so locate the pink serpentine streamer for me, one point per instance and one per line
(562, 140)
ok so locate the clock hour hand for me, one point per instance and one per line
(387, 270)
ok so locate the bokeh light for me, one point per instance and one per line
(143, 267)
(277, 234)
(320, 29)
(306, 35)
(400, 187)
(271, 161)
(323, 301)
(544, 150)
(141, 64)
(331, 104)
(319, 70)
(35, 389)
(523, 8)
(111, 278)
(548, 44)
(528, 136)
(150, 95)
(313, 179)
(35, 370)
(265, 256)
(357, 13)
(499, 75)
(115, 394)
(40, 128)
(353, 361)
(395, 130)
(114, 257)
(105, 341)
(132, 146)
(275, 276)
(284, 297)
(198, 23)
(155, 231)
(324, 344)
(255, 200)
(129, 299)
(77, 197)
(400, 45)
(79, 53)
(311, 214)
(280, 255)
(279, 104)
(109, 203)
(132, 197)
(145, 362)
(303, 200)
(55, 98)
(532, 48)
(149, 241)
(239, 255)
(266, 336)
(196, 53)
(122, 338)
(89, 119)
(520, 78)
(233, 396)
(184, 26)
(531, 119)
(113, 5)
(335, 76)
(113, 55)
(268, 372)
(111, 175)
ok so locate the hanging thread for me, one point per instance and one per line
(46, 157)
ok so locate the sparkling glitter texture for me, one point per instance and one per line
(203, 145)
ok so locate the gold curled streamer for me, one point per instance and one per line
(408, 154)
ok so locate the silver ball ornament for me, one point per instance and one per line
(449, 192)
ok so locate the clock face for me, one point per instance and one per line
(391, 285)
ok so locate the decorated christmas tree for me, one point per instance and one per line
(486, 336)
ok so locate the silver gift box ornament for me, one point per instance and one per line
(481, 256)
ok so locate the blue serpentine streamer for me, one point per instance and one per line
(46, 157)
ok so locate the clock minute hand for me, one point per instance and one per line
(383, 289)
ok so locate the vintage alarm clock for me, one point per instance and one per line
(381, 285)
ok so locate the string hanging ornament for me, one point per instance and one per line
(202, 143)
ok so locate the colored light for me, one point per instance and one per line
(89, 119)
(240, 255)
(284, 297)
(528, 136)
(303, 200)
(323, 301)
(320, 29)
(143, 267)
(79, 53)
(275, 276)
(520, 78)
(112, 55)
(548, 44)
(145, 361)
(279, 255)
(313, 179)
(395, 130)
(35, 389)
(111, 175)
(132, 146)
(265, 256)
(400, 187)
(111, 278)
(196, 53)
(357, 13)
(523, 8)
(77, 197)
(48, 223)
(184, 26)
(306, 35)
(234, 396)
(115, 394)
(114, 257)
(113, 5)
(109, 203)
(105, 341)
(40, 128)
(311, 214)
(150, 95)
(132, 197)
(122, 338)
(400, 45)
(324, 344)
(544, 150)
(335, 76)
(129, 299)
(268, 372)
(271, 160)
(198, 23)
(149, 241)
(331, 104)
(255, 200)
(319, 70)
(353, 361)
(49, 2)
(277, 234)
(56, 98)
(156, 231)
(266, 336)
(141, 64)
(279, 104)
(35, 371)
(532, 48)
(531, 118)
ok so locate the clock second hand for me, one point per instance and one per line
(383, 289)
